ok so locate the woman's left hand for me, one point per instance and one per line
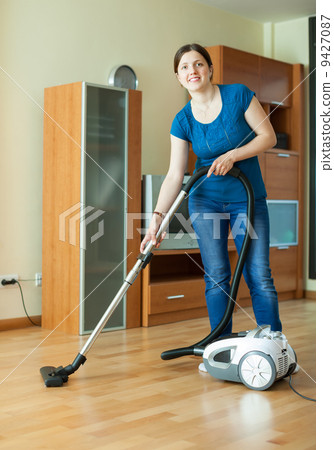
(223, 164)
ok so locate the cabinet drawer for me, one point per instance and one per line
(284, 268)
(281, 176)
(176, 296)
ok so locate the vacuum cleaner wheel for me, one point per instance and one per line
(257, 370)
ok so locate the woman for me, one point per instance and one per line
(226, 126)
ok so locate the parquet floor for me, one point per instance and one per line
(126, 397)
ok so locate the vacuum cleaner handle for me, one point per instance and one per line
(234, 172)
(198, 348)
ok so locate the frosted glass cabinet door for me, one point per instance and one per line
(104, 197)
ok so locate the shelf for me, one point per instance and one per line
(176, 252)
(167, 278)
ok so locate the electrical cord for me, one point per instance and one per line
(24, 306)
(300, 395)
(13, 281)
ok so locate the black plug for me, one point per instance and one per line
(6, 282)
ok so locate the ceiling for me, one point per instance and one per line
(266, 10)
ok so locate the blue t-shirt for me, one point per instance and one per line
(228, 131)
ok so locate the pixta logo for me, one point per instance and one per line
(69, 219)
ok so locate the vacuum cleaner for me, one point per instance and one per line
(256, 358)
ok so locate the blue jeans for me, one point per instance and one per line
(211, 221)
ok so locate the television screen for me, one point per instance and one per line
(180, 221)
(180, 232)
(283, 217)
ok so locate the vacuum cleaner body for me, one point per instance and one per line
(256, 358)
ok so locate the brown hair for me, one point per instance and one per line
(188, 48)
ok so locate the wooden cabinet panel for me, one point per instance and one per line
(216, 58)
(235, 66)
(241, 67)
(281, 170)
(275, 82)
(60, 288)
(284, 268)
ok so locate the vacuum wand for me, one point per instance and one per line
(142, 260)
(56, 376)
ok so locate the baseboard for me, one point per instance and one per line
(19, 322)
(311, 295)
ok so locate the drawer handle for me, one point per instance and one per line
(277, 103)
(172, 297)
(283, 155)
(283, 247)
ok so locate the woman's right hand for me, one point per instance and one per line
(152, 232)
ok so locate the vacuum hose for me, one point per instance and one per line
(198, 348)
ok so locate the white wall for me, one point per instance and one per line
(49, 42)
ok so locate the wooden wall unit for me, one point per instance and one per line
(277, 87)
(66, 144)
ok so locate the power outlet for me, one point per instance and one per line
(38, 279)
(8, 278)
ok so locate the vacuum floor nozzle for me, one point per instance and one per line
(50, 376)
(57, 376)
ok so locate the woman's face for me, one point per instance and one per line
(193, 71)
